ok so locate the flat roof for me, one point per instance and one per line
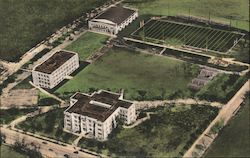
(85, 106)
(54, 62)
(116, 14)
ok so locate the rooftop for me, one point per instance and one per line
(54, 62)
(98, 105)
(116, 14)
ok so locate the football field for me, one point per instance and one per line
(187, 35)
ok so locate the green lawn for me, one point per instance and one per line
(87, 44)
(26, 23)
(233, 140)
(221, 10)
(9, 115)
(46, 100)
(142, 76)
(8, 152)
(169, 133)
(49, 124)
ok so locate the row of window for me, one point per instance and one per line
(65, 70)
(43, 75)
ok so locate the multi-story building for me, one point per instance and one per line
(97, 114)
(113, 20)
(54, 70)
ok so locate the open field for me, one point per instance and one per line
(169, 133)
(8, 152)
(26, 23)
(9, 115)
(142, 76)
(204, 38)
(219, 10)
(235, 135)
(87, 44)
(48, 124)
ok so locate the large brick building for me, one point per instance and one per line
(97, 114)
(54, 70)
(113, 20)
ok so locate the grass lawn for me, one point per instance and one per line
(233, 140)
(169, 133)
(222, 88)
(8, 152)
(9, 115)
(221, 10)
(87, 44)
(45, 100)
(49, 124)
(26, 23)
(24, 84)
(142, 76)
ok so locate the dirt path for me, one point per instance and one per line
(139, 121)
(32, 114)
(225, 114)
(49, 94)
(18, 79)
(140, 105)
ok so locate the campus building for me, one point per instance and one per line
(113, 20)
(54, 70)
(96, 114)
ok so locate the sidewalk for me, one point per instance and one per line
(140, 105)
(225, 114)
(49, 94)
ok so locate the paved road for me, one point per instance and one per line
(47, 150)
(225, 114)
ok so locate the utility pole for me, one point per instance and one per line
(163, 34)
(209, 16)
(189, 13)
(144, 33)
(168, 10)
(230, 21)
(206, 43)
(184, 39)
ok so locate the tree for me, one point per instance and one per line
(142, 35)
(142, 94)
(199, 147)
(217, 127)
(2, 138)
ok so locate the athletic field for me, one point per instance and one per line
(187, 35)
